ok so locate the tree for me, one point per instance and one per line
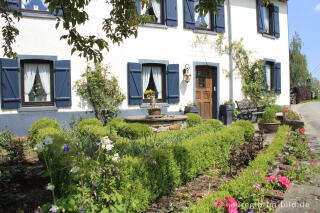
(102, 91)
(121, 23)
(298, 63)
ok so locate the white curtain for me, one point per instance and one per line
(44, 72)
(156, 9)
(156, 71)
(266, 19)
(268, 75)
(30, 71)
(146, 70)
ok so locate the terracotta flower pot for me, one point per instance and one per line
(268, 127)
(154, 111)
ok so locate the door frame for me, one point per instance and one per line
(216, 77)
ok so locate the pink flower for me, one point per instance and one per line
(302, 131)
(284, 181)
(218, 203)
(313, 162)
(257, 186)
(271, 178)
(285, 110)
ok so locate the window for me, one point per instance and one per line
(153, 78)
(202, 21)
(34, 5)
(37, 83)
(268, 19)
(155, 10)
(268, 68)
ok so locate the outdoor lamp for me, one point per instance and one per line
(186, 74)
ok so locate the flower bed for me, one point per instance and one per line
(242, 187)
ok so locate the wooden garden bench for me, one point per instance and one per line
(248, 109)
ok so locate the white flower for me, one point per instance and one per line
(116, 157)
(50, 187)
(39, 147)
(48, 140)
(107, 147)
(106, 140)
(54, 209)
(74, 170)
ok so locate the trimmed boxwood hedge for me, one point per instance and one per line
(148, 176)
(136, 147)
(241, 186)
(43, 128)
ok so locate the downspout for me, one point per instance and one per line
(230, 51)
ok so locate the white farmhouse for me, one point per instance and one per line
(40, 83)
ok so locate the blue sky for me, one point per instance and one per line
(304, 18)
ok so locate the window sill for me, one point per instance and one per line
(38, 109)
(205, 32)
(38, 15)
(160, 26)
(268, 36)
(147, 105)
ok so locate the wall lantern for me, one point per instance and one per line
(186, 74)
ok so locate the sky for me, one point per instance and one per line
(304, 18)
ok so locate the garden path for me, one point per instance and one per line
(305, 198)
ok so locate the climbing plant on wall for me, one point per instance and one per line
(250, 70)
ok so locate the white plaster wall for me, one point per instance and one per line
(244, 25)
(38, 36)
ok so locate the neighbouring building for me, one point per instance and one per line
(40, 83)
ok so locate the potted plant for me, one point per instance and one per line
(268, 122)
(154, 109)
(192, 107)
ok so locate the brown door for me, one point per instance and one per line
(204, 91)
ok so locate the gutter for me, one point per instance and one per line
(230, 53)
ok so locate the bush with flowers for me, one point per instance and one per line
(278, 182)
(228, 203)
(290, 115)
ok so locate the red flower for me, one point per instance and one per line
(284, 181)
(285, 110)
(302, 131)
(271, 178)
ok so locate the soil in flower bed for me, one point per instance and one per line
(22, 184)
(188, 194)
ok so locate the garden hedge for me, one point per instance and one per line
(43, 128)
(193, 119)
(148, 176)
(136, 147)
(241, 186)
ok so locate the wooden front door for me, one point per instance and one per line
(205, 90)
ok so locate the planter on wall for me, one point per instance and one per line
(192, 109)
(268, 127)
(294, 124)
(155, 111)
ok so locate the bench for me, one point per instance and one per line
(248, 109)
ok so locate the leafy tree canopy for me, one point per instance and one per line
(121, 23)
(298, 63)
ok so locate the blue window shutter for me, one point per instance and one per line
(189, 22)
(171, 12)
(13, 4)
(260, 16)
(10, 84)
(62, 83)
(275, 21)
(173, 91)
(135, 83)
(277, 77)
(138, 7)
(220, 20)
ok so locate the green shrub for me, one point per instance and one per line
(269, 115)
(134, 130)
(193, 119)
(248, 128)
(143, 145)
(277, 108)
(241, 187)
(116, 124)
(41, 124)
(47, 132)
(90, 121)
(148, 176)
